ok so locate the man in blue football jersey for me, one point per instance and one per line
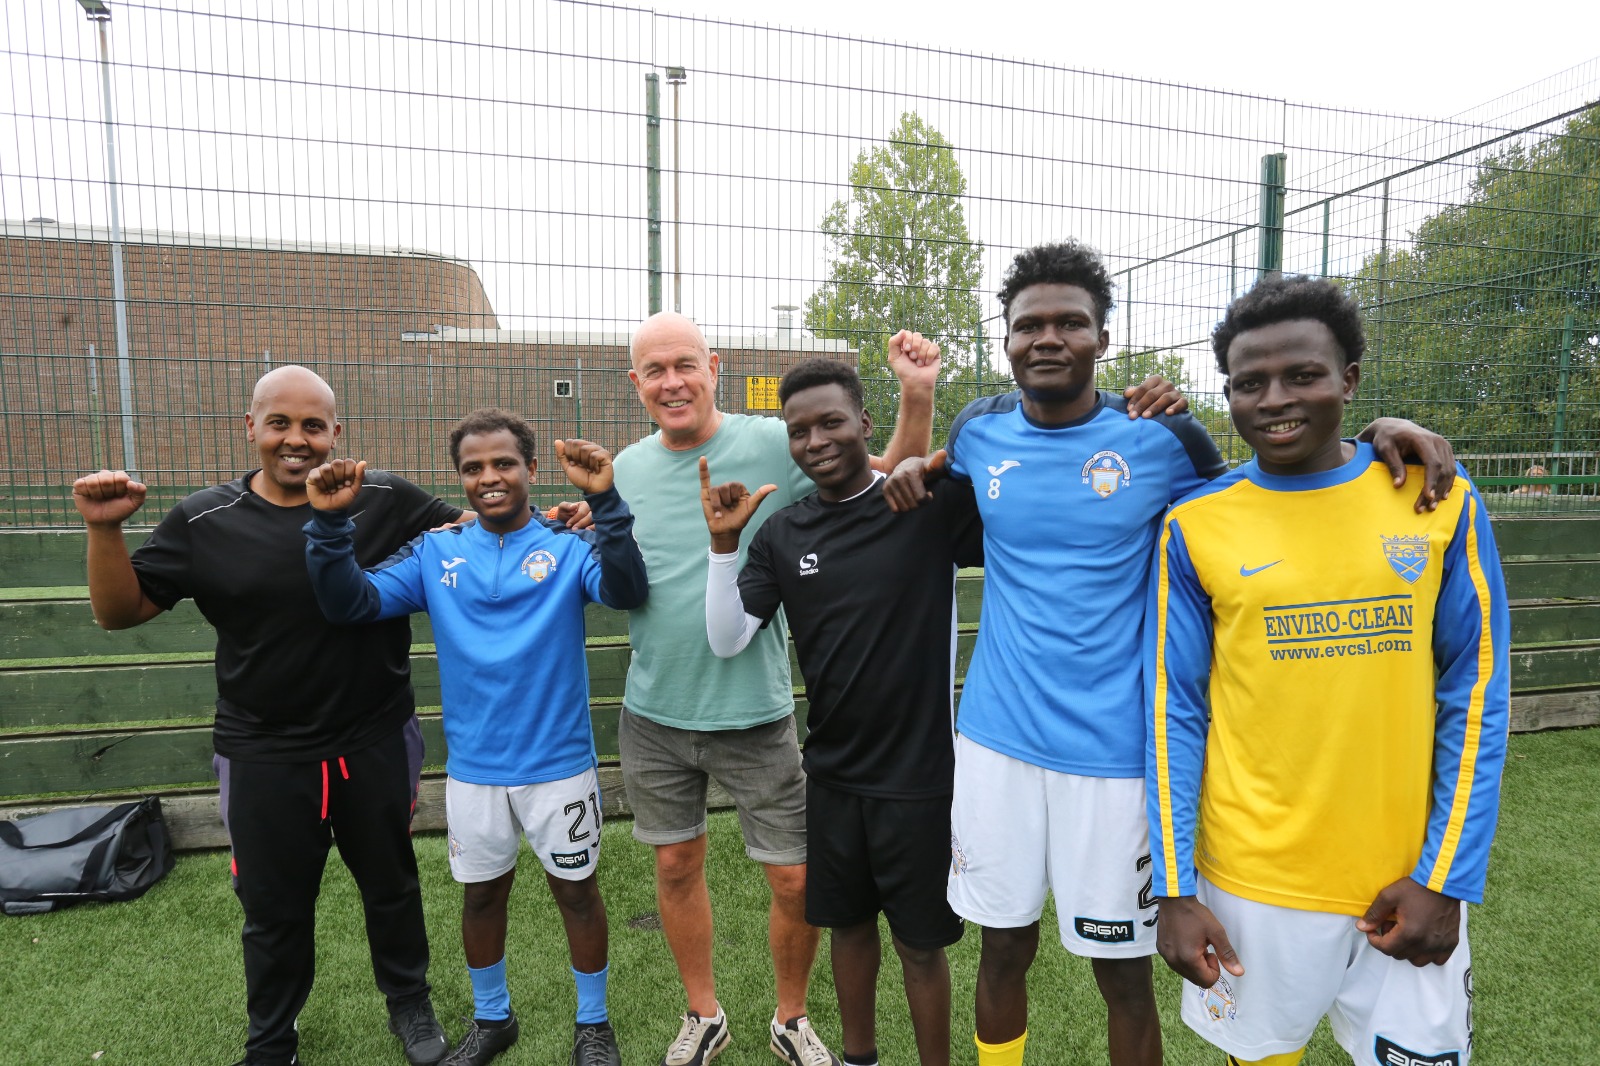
(1049, 790)
(505, 596)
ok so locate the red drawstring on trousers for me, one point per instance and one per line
(324, 789)
(342, 770)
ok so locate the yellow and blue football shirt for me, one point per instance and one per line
(1326, 678)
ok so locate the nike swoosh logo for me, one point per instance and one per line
(1243, 572)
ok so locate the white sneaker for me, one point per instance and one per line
(699, 1040)
(800, 1045)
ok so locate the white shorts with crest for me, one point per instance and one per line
(1301, 965)
(561, 820)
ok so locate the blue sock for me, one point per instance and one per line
(490, 997)
(591, 995)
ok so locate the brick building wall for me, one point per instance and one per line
(408, 340)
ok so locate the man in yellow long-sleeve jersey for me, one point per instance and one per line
(1326, 682)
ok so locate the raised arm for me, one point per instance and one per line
(621, 581)
(105, 500)
(915, 361)
(347, 595)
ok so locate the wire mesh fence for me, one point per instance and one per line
(439, 207)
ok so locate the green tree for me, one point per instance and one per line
(900, 257)
(1115, 373)
(1467, 326)
(1125, 368)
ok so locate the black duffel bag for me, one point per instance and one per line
(64, 857)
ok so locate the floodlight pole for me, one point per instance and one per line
(676, 76)
(99, 14)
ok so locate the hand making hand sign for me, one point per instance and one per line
(728, 509)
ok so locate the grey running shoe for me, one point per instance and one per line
(482, 1042)
(799, 1045)
(699, 1040)
(419, 1032)
(595, 1044)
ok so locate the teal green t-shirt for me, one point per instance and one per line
(674, 678)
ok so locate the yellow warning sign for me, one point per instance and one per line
(761, 394)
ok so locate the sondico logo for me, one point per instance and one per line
(994, 476)
(808, 564)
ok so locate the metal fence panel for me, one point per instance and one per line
(444, 206)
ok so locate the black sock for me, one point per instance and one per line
(869, 1059)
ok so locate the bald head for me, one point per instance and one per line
(675, 372)
(667, 329)
(304, 384)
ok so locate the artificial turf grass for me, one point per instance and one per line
(159, 980)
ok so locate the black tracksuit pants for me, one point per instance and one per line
(281, 818)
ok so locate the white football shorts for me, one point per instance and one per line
(1300, 965)
(1018, 831)
(561, 820)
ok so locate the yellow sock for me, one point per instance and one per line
(1291, 1058)
(1007, 1054)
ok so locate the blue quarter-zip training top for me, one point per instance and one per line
(507, 615)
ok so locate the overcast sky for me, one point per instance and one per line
(1408, 57)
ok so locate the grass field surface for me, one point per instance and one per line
(159, 980)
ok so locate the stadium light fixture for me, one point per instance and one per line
(99, 14)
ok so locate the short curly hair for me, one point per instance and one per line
(819, 371)
(1071, 262)
(492, 420)
(1284, 299)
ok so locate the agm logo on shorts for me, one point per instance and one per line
(570, 860)
(1103, 931)
(1391, 1054)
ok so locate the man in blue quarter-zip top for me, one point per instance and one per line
(504, 594)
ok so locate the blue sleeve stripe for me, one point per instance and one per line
(1468, 765)
(1159, 732)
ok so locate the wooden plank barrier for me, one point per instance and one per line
(88, 716)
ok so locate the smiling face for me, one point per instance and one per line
(495, 478)
(292, 424)
(1053, 338)
(828, 437)
(675, 374)
(1288, 385)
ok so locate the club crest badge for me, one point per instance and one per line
(1408, 556)
(538, 566)
(1106, 472)
(1220, 1001)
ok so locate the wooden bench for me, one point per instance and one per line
(86, 715)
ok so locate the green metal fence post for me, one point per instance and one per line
(1558, 443)
(1327, 207)
(1274, 168)
(652, 123)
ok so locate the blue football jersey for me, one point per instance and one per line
(1070, 519)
